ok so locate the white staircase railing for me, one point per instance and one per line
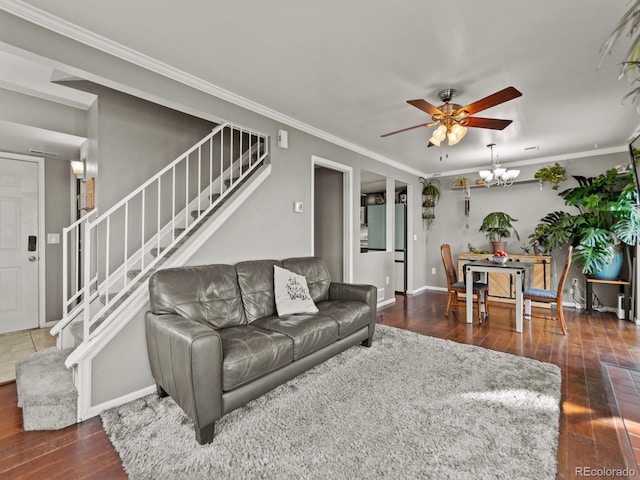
(72, 286)
(123, 245)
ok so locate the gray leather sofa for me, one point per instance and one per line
(215, 341)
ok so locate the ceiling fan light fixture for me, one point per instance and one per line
(440, 132)
(456, 133)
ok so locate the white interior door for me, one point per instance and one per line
(19, 245)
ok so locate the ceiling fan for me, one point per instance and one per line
(453, 119)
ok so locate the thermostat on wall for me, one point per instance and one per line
(283, 139)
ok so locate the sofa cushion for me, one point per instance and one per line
(292, 293)
(250, 352)
(315, 270)
(208, 294)
(350, 315)
(255, 279)
(308, 332)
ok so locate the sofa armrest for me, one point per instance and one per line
(351, 291)
(186, 361)
(360, 293)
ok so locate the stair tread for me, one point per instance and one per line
(43, 379)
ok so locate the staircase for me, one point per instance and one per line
(109, 257)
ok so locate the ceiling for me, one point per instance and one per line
(347, 68)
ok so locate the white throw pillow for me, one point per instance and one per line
(292, 293)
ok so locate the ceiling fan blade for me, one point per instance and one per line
(405, 129)
(493, 123)
(425, 106)
(497, 98)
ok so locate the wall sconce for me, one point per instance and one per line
(78, 168)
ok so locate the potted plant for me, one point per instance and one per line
(497, 226)
(428, 219)
(460, 181)
(554, 174)
(431, 188)
(608, 216)
(430, 197)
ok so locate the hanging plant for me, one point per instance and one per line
(431, 187)
(630, 64)
(554, 174)
(428, 219)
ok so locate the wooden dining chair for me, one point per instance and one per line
(549, 296)
(454, 287)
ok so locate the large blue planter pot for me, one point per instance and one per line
(612, 271)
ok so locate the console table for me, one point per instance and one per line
(625, 287)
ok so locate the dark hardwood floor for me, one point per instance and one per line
(592, 436)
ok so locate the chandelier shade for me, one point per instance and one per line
(497, 176)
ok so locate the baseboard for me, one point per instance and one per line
(391, 301)
(116, 402)
(415, 291)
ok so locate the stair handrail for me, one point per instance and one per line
(259, 147)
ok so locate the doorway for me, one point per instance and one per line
(332, 216)
(21, 264)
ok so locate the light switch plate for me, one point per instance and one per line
(298, 207)
(53, 238)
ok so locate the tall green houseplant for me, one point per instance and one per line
(608, 216)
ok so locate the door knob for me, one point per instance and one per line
(32, 258)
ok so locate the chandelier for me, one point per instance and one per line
(497, 176)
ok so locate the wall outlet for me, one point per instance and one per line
(433, 271)
(574, 285)
(387, 280)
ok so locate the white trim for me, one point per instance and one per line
(347, 200)
(42, 250)
(384, 303)
(418, 290)
(536, 161)
(95, 410)
(42, 247)
(84, 36)
(431, 287)
(410, 244)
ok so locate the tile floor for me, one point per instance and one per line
(625, 383)
(17, 345)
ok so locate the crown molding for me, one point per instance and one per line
(536, 161)
(63, 27)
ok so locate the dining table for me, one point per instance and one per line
(520, 271)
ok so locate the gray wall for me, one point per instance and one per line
(328, 219)
(525, 202)
(133, 140)
(266, 225)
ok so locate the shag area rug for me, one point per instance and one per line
(409, 407)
